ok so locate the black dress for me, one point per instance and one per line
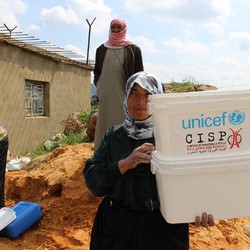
(129, 217)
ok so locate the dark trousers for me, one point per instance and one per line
(4, 144)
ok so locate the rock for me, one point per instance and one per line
(171, 88)
(246, 229)
(190, 89)
(51, 142)
(73, 125)
(90, 131)
(206, 87)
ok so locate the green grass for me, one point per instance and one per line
(69, 139)
(179, 87)
(84, 115)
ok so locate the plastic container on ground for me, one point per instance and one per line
(188, 188)
(27, 214)
(193, 125)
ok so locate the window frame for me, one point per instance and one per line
(36, 98)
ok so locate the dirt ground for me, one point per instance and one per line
(55, 181)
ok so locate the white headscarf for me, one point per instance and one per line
(140, 129)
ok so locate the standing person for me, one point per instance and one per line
(129, 217)
(115, 61)
(3, 156)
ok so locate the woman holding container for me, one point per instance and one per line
(129, 216)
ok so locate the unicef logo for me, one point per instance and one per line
(236, 117)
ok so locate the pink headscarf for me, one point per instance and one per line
(117, 40)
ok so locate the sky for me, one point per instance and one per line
(203, 41)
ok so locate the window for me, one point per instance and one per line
(36, 97)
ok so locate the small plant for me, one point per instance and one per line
(191, 81)
(179, 87)
(49, 145)
(71, 139)
(64, 139)
(85, 115)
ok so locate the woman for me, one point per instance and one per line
(129, 216)
(3, 156)
(115, 61)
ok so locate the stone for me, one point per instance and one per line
(246, 229)
(90, 130)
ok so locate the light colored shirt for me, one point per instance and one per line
(3, 133)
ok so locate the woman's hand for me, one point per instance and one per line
(204, 221)
(142, 154)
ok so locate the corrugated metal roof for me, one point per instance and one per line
(43, 48)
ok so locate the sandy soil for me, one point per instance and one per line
(55, 181)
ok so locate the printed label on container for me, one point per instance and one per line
(207, 133)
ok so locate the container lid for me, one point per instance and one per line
(7, 215)
(200, 166)
(189, 101)
(203, 94)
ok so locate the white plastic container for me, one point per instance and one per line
(217, 186)
(201, 124)
(7, 215)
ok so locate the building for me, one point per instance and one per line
(38, 90)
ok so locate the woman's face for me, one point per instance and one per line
(137, 103)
